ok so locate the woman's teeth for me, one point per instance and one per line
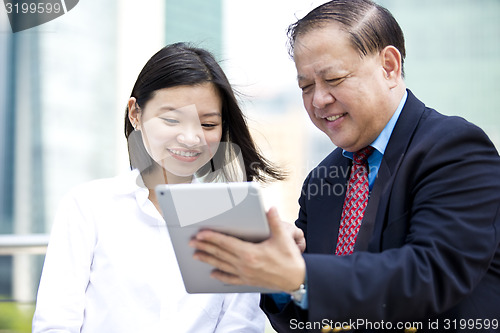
(185, 153)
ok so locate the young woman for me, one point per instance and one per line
(110, 265)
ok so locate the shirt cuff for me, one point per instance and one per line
(303, 304)
(280, 299)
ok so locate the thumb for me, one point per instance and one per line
(274, 220)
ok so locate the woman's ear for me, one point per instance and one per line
(391, 64)
(134, 113)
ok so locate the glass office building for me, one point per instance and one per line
(63, 93)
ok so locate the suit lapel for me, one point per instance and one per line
(327, 207)
(396, 148)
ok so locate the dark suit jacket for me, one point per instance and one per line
(428, 248)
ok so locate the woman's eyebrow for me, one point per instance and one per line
(211, 114)
(168, 108)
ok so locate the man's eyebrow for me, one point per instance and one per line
(320, 73)
(325, 70)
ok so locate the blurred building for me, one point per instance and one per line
(198, 21)
(64, 86)
(22, 203)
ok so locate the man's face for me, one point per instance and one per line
(345, 95)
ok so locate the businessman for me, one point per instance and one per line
(409, 237)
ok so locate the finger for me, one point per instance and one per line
(298, 236)
(213, 249)
(215, 262)
(226, 277)
(301, 244)
(226, 243)
(274, 221)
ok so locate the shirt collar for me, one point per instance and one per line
(129, 182)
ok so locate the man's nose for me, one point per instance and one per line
(322, 97)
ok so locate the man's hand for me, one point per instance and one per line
(297, 235)
(275, 263)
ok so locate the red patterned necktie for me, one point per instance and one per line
(355, 202)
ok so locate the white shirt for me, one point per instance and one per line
(110, 267)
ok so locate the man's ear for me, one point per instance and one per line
(133, 113)
(391, 64)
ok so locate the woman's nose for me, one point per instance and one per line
(190, 137)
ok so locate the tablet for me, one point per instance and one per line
(232, 208)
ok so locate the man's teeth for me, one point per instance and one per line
(332, 118)
(184, 153)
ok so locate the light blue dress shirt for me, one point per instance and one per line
(374, 161)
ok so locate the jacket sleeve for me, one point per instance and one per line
(65, 276)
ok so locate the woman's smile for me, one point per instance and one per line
(184, 155)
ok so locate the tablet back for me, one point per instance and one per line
(231, 208)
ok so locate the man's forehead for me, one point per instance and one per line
(323, 67)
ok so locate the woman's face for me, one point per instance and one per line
(181, 127)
